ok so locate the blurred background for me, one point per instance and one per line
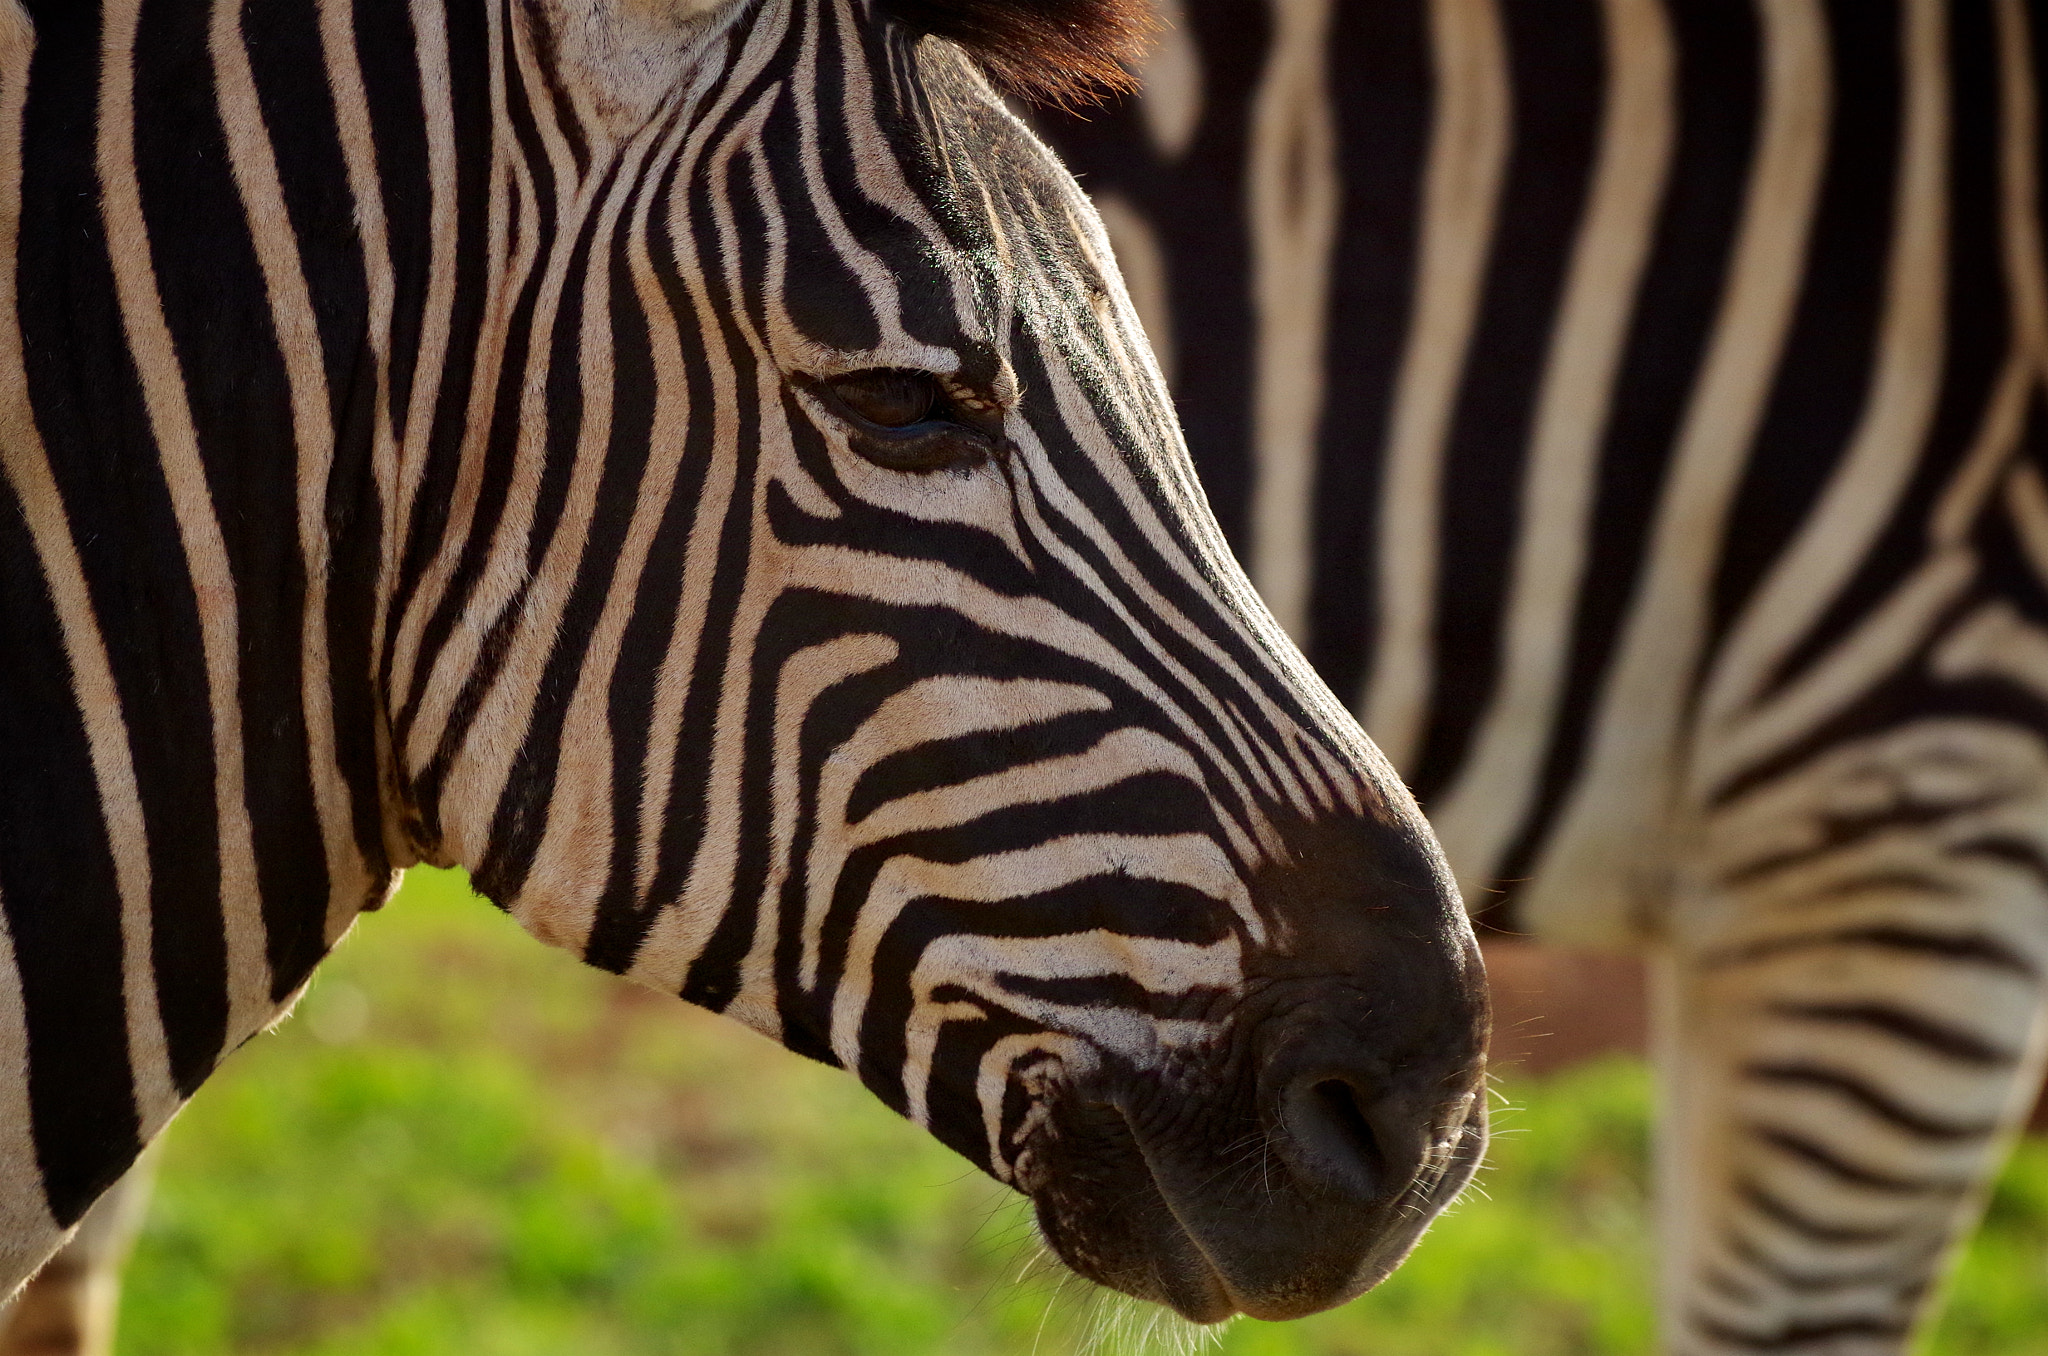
(466, 1142)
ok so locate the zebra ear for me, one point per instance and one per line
(1060, 52)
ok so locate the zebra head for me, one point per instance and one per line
(827, 627)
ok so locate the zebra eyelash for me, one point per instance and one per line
(955, 429)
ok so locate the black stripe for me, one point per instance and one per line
(1973, 948)
(1880, 1104)
(57, 885)
(234, 380)
(1789, 1216)
(1558, 69)
(89, 411)
(386, 51)
(1939, 1038)
(1899, 1273)
(1197, 206)
(1976, 336)
(1679, 297)
(1823, 378)
(1382, 90)
(1825, 1334)
(1817, 1155)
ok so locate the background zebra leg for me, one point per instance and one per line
(1848, 1031)
(68, 1308)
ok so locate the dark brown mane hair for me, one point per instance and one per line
(1060, 52)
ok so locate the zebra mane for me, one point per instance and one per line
(1060, 52)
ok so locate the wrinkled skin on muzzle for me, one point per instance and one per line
(1007, 792)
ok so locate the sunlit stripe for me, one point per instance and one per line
(437, 102)
(924, 712)
(1486, 806)
(486, 763)
(877, 285)
(512, 250)
(984, 967)
(299, 348)
(1187, 860)
(359, 153)
(1468, 153)
(880, 176)
(184, 473)
(1866, 483)
(1586, 886)
(681, 933)
(805, 677)
(1294, 192)
(566, 883)
(1049, 493)
(26, 462)
(1995, 641)
(488, 749)
(681, 930)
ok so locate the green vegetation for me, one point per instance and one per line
(466, 1143)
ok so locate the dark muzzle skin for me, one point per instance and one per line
(1290, 1164)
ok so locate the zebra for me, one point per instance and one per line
(693, 464)
(1635, 410)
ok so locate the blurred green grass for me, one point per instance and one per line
(464, 1142)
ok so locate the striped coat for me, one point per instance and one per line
(1636, 410)
(692, 463)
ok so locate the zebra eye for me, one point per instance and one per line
(889, 396)
(904, 420)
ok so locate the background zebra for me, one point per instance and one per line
(694, 465)
(1634, 407)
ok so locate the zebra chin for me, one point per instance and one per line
(1289, 1163)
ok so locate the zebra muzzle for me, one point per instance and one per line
(1291, 1187)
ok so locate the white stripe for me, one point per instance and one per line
(1492, 795)
(683, 929)
(490, 741)
(565, 882)
(1171, 74)
(437, 103)
(925, 712)
(27, 466)
(212, 579)
(1587, 886)
(300, 349)
(2019, 173)
(484, 768)
(1191, 860)
(511, 250)
(1467, 157)
(1294, 190)
(1866, 484)
(682, 932)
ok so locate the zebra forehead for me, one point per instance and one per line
(1062, 52)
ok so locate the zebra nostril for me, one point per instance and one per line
(1329, 1124)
